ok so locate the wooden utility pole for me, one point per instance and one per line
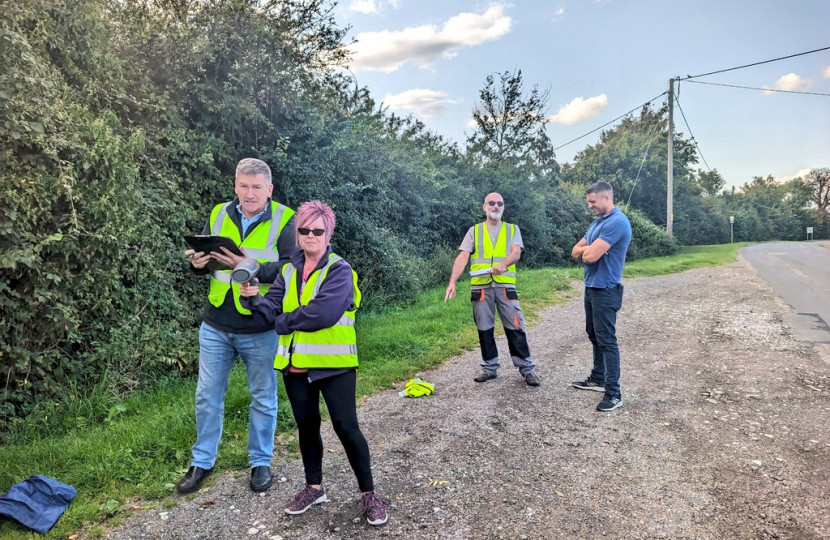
(670, 168)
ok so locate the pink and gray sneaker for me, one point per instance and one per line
(374, 508)
(305, 499)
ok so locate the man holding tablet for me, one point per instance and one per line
(264, 230)
(496, 247)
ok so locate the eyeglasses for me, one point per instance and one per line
(304, 232)
(496, 203)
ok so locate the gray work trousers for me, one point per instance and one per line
(506, 301)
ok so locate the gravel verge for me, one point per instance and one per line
(723, 434)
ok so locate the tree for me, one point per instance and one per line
(819, 181)
(798, 193)
(632, 157)
(711, 182)
(510, 125)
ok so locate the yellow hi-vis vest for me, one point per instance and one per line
(261, 244)
(333, 347)
(487, 255)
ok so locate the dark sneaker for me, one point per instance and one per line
(609, 403)
(484, 376)
(374, 508)
(589, 384)
(303, 500)
(532, 379)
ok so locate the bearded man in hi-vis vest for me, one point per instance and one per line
(263, 229)
(496, 247)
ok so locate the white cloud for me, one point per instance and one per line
(800, 174)
(387, 51)
(579, 110)
(792, 82)
(364, 6)
(826, 72)
(557, 16)
(426, 103)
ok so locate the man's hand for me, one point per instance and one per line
(579, 249)
(197, 259)
(249, 289)
(450, 292)
(226, 258)
(498, 269)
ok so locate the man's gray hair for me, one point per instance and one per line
(601, 187)
(253, 167)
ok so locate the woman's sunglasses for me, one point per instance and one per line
(316, 232)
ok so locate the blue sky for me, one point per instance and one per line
(601, 58)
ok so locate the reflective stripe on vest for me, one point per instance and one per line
(333, 347)
(260, 245)
(324, 350)
(487, 255)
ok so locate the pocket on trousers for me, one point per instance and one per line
(511, 294)
(477, 296)
(617, 297)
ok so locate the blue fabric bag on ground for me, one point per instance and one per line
(37, 503)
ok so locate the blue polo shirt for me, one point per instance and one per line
(615, 229)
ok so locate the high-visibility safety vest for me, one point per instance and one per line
(261, 244)
(486, 255)
(333, 347)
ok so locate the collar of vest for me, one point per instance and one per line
(297, 258)
(266, 214)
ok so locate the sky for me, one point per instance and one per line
(601, 58)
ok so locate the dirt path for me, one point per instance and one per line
(724, 434)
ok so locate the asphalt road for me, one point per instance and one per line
(799, 272)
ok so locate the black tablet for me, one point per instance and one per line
(209, 243)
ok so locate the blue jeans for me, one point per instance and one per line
(601, 306)
(217, 353)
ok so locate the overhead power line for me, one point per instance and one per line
(611, 122)
(750, 65)
(692, 135)
(655, 132)
(764, 89)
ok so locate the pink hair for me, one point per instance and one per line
(310, 211)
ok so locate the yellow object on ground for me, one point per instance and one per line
(417, 388)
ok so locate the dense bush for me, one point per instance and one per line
(647, 239)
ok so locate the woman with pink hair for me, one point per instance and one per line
(311, 305)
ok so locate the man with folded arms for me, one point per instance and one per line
(496, 247)
(602, 252)
(264, 230)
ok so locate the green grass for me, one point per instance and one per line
(685, 259)
(133, 458)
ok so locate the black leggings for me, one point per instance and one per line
(339, 393)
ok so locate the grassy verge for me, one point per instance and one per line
(132, 460)
(686, 259)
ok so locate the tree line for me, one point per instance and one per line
(121, 123)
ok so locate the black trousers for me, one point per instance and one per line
(339, 393)
(601, 307)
